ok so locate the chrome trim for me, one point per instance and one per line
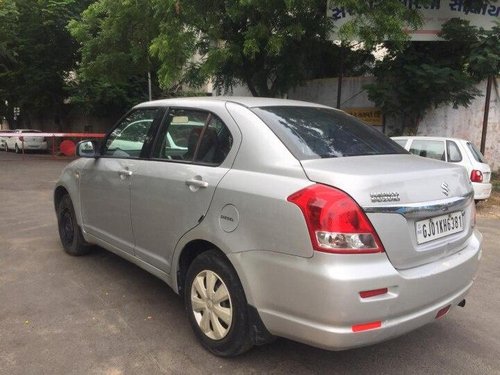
(424, 209)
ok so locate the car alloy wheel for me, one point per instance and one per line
(211, 304)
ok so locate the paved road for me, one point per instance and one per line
(101, 315)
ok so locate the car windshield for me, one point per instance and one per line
(312, 133)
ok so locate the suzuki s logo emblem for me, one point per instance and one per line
(445, 189)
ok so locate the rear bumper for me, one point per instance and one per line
(316, 300)
(481, 190)
(36, 146)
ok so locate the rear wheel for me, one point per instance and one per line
(69, 230)
(216, 305)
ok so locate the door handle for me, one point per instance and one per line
(197, 183)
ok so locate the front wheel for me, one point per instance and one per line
(69, 230)
(216, 305)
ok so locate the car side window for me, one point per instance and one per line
(401, 142)
(428, 149)
(128, 138)
(193, 136)
(454, 154)
(179, 134)
(215, 143)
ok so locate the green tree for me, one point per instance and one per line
(38, 55)
(479, 49)
(114, 38)
(268, 45)
(424, 75)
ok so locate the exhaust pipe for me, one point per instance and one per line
(461, 303)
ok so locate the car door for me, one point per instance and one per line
(105, 181)
(173, 193)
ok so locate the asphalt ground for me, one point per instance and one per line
(99, 314)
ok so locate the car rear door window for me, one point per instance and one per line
(428, 149)
(193, 136)
(215, 143)
(454, 154)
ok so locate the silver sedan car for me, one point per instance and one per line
(275, 218)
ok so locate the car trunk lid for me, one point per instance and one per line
(404, 197)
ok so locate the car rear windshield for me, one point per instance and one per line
(313, 133)
(476, 153)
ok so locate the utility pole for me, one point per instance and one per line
(149, 87)
(486, 113)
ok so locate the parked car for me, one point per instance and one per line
(3, 139)
(19, 142)
(456, 151)
(279, 218)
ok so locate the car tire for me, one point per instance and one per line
(69, 230)
(216, 305)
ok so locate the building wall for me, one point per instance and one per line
(467, 123)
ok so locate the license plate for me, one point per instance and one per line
(439, 226)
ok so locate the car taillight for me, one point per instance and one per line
(476, 176)
(335, 221)
(21, 138)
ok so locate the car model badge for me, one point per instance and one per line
(385, 197)
(445, 189)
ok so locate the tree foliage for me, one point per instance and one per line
(114, 38)
(268, 45)
(36, 54)
(424, 75)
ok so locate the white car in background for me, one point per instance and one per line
(456, 151)
(3, 139)
(18, 142)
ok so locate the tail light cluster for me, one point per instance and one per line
(335, 221)
(476, 176)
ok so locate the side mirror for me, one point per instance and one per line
(87, 149)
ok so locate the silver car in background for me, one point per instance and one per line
(276, 218)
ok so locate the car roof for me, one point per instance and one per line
(247, 101)
(430, 138)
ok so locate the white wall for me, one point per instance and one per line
(467, 123)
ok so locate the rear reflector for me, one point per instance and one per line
(366, 326)
(442, 312)
(373, 293)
